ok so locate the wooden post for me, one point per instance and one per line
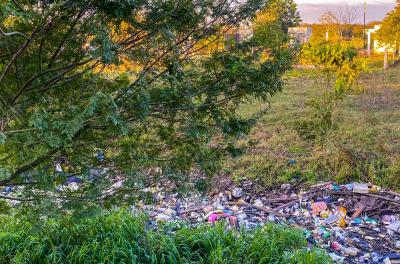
(369, 44)
(385, 60)
(398, 53)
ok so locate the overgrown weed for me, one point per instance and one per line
(118, 237)
(363, 144)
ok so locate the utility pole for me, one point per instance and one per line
(365, 14)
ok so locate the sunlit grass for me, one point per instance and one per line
(364, 144)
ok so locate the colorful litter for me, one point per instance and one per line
(355, 222)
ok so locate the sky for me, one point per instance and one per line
(311, 10)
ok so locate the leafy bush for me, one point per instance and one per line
(338, 63)
(117, 237)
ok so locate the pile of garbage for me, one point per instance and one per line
(355, 223)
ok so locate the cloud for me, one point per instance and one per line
(348, 2)
(310, 12)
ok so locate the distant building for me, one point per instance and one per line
(373, 43)
(300, 34)
(239, 34)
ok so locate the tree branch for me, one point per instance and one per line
(65, 69)
(18, 5)
(13, 34)
(16, 199)
(27, 167)
(19, 52)
(58, 50)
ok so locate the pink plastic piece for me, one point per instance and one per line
(336, 246)
(212, 218)
(317, 207)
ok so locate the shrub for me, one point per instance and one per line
(338, 63)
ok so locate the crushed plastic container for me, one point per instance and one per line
(394, 226)
(332, 219)
(360, 188)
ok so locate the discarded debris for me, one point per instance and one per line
(394, 226)
(360, 188)
(266, 210)
(237, 192)
(355, 222)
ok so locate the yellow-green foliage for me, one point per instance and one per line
(389, 33)
(335, 60)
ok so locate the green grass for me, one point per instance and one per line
(363, 145)
(117, 237)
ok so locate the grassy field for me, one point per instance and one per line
(363, 144)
